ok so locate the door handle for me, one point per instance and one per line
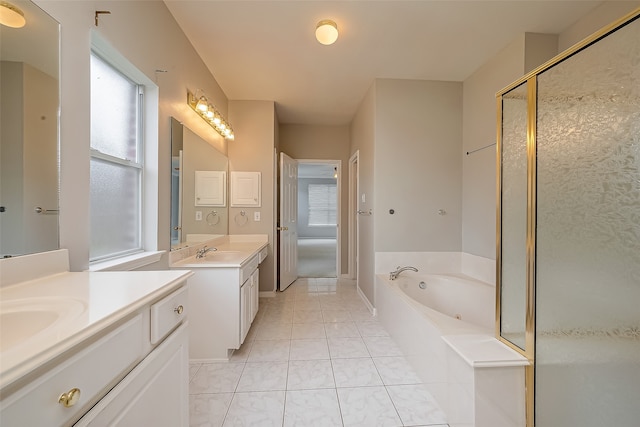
(282, 228)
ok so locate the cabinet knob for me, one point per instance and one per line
(69, 398)
(179, 309)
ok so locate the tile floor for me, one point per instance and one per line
(314, 357)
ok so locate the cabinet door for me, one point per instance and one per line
(245, 189)
(155, 393)
(245, 309)
(255, 293)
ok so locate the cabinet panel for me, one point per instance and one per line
(155, 393)
(255, 293)
(245, 189)
(245, 309)
(210, 188)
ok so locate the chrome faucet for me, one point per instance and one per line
(394, 274)
(200, 253)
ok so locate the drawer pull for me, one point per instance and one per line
(179, 309)
(69, 398)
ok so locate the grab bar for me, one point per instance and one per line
(39, 210)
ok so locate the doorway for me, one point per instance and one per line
(318, 218)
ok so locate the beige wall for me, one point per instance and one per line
(148, 36)
(253, 150)
(418, 166)
(323, 143)
(362, 141)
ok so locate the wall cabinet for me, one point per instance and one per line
(245, 189)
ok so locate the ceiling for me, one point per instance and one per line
(266, 50)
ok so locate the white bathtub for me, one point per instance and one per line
(455, 303)
(462, 310)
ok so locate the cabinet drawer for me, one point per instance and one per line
(263, 254)
(248, 269)
(92, 371)
(168, 313)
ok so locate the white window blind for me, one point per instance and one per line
(322, 204)
(116, 162)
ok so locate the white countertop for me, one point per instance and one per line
(229, 253)
(484, 351)
(88, 302)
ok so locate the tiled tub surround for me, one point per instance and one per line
(458, 372)
(313, 357)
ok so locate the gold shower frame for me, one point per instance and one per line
(530, 310)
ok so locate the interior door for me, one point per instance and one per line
(287, 231)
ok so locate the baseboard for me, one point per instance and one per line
(212, 360)
(370, 307)
(346, 276)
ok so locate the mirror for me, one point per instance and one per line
(199, 173)
(29, 97)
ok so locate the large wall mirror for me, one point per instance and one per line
(199, 207)
(29, 165)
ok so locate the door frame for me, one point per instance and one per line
(354, 231)
(338, 165)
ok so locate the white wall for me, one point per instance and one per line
(418, 166)
(253, 150)
(147, 35)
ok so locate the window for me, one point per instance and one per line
(116, 162)
(124, 162)
(322, 204)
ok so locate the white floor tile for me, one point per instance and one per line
(273, 331)
(269, 351)
(416, 405)
(311, 349)
(358, 372)
(263, 376)
(307, 305)
(241, 355)
(382, 346)
(264, 409)
(312, 408)
(371, 329)
(395, 371)
(341, 348)
(341, 330)
(308, 331)
(331, 316)
(367, 407)
(307, 316)
(216, 378)
(193, 370)
(310, 374)
(208, 410)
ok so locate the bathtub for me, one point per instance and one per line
(452, 308)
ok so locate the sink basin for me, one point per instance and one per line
(22, 319)
(222, 256)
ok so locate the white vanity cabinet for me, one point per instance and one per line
(133, 372)
(224, 302)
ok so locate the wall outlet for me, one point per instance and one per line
(198, 215)
(256, 216)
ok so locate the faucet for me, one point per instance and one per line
(394, 274)
(200, 253)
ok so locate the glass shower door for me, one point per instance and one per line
(587, 357)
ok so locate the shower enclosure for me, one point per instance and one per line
(569, 230)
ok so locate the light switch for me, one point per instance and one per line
(198, 215)
(256, 216)
(364, 198)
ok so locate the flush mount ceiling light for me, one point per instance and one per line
(11, 16)
(209, 113)
(327, 32)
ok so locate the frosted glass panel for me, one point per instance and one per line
(513, 284)
(588, 237)
(115, 209)
(114, 112)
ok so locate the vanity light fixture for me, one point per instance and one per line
(209, 113)
(11, 16)
(327, 32)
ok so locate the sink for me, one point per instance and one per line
(22, 319)
(223, 256)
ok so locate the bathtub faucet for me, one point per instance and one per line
(394, 274)
(200, 253)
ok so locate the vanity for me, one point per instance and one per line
(223, 293)
(92, 348)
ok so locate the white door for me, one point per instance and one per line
(287, 230)
(353, 216)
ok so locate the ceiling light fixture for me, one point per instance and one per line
(11, 16)
(209, 113)
(327, 32)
